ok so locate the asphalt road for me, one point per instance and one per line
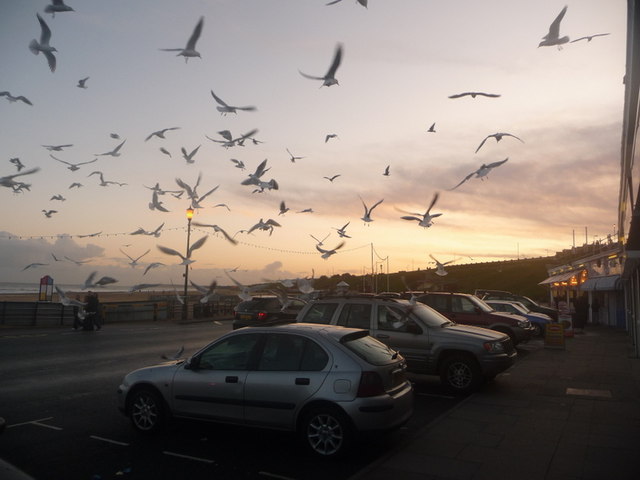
(58, 397)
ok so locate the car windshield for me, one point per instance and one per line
(427, 315)
(521, 307)
(481, 303)
(369, 349)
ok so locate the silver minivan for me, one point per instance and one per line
(461, 355)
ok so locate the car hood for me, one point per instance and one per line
(469, 331)
(510, 316)
(153, 373)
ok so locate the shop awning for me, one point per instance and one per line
(562, 277)
(611, 282)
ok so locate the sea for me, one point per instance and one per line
(17, 288)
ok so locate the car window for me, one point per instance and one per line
(462, 305)
(393, 319)
(369, 349)
(438, 302)
(320, 313)
(355, 315)
(233, 353)
(291, 353)
(500, 307)
(295, 304)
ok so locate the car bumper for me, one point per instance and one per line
(523, 334)
(495, 364)
(385, 412)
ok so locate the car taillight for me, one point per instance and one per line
(262, 315)
(370, 385)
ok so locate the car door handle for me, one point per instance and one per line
(302, 381)
(380, 335)
(231, 379)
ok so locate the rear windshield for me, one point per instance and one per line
(370, 349)
(257, 304)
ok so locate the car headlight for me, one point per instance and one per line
(493, 347)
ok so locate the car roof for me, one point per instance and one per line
(334, 331)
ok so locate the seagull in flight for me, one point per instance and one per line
(367, 211)
(386, 171)
(432, 128)
(319, 242)
(330, 77)
(474, 95)
(152, 265)
(43, 45)
(498, 136)
(266, 226)
(13, 99)
(82, 83)
(361, 2)
(189, 156)
(293, 158)
(57, 148)
(440, 266)
(207, 292)
(78, 263)
(424, 219)
(48, 213)
(217, 229)
(134, 261)
(9, 181)
(327, 253)
(254, 178)
(114, 153)
(66, 301)
(342, 232)
(160, 133)
(483, 171)
(185, 260)
(283, 208)
(16, 161)
(553, 37)
(329, 136)
(588, 38)
(35, 265)
(156, 204)
(166, 152)
(190, 49)
(176, 355)
(58, 197)
(73, 166)
(57, 6)
(331, 179)
(75, 185)
(224, 108)
(103, 182)
(238, 163)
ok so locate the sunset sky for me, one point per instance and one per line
(402, 60)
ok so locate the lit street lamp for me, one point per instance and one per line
(185, 305)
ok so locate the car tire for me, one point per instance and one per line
(326, 431)
(147, 410)
(537, 330)
(460, 373)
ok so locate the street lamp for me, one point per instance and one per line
(185, 305)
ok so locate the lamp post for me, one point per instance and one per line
(185, 305)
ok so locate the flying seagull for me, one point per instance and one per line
(217, 229)
(225, 108)
(432, 128)
(57, 6)
(293, 158)
(283, 208)
(553, 37)
(440, 266)
(114, 153)
(474, 95)
(238, 163)
(82, 83)
(329, 136)
(43, 45)
(58, 197)
(57, 148)
(588, 38)
(320, 242)
(207, 292)
(66, 301)
(483, 171)
(160, 133)
(330, 77)
(152, 265)
(361, 2)
(156, 204)
(190, 49)
(34, 265)
(48, 213)
(185, 260)
(16, 161)
(342, 232)
(13, 99)
(165, 151)
(189, 156)
(327, 253)
(175, 356)
(498, 136)
(367, 211)
(73, 166)
(424, 219)
(332, 178)
(134, 261)
(386, 171)
(9, 181)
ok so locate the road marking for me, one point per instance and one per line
(188, 457)
(95, 437)
(36, 422)
(273, 475)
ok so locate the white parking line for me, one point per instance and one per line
(273, 475)
(115, 442)
(35, 422)
(188, 457)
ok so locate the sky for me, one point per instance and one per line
(401, 61)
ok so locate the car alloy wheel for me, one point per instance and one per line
(460, 374)
(146, 410)
(326, 432)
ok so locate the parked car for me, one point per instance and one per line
(538, 321)
(462, 356)
(325, 383)
(526, 301)
(470, 310)
(265, 310)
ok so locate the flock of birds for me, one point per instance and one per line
(255, 179)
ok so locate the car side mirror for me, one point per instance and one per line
(192, 363)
